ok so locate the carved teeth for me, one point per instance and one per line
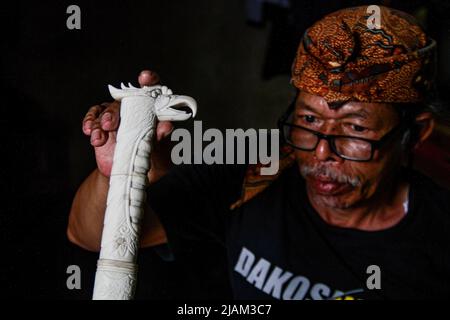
(130, 86)
(117, 94)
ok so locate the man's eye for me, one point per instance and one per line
(309, 118)
(357, 128)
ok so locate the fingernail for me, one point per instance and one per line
(106, 117)
(146, 73)
(95, 135)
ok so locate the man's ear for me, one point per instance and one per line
(424, 125)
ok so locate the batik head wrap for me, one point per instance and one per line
(343, 58)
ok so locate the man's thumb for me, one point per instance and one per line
(148, 78)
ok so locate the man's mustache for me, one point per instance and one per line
(329, 173)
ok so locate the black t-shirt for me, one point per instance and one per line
(278, 247)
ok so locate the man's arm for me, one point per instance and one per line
(88, 210)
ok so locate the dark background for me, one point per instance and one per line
(237, 70)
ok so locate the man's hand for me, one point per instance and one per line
(89, 205)
(102, 121)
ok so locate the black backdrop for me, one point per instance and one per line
(237, 71)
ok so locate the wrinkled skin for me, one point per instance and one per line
(376, 202)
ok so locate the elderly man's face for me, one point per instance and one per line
(332, 181)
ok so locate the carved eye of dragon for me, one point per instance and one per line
(155, 93)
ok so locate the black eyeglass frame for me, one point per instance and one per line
(375, 144)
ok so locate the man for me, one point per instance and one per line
(346, 217)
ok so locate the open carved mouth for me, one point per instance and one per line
(181, 108)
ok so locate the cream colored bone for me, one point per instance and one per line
(116, 274)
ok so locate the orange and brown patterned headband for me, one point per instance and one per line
(341, 59)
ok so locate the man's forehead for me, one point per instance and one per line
(367, 110)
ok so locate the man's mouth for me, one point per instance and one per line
(325, 186)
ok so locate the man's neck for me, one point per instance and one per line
(382, 211)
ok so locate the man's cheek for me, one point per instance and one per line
(369, 178)
(301, 156)
(305, 158)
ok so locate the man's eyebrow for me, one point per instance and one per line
(357, 114)
(307, 107)
(361, 113)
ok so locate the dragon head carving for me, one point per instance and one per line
(160, 98)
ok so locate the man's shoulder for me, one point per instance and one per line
(429, 193)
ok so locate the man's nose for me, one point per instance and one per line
(324, 152)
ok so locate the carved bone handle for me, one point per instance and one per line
(116, 269)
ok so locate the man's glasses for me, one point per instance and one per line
(346, 147)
